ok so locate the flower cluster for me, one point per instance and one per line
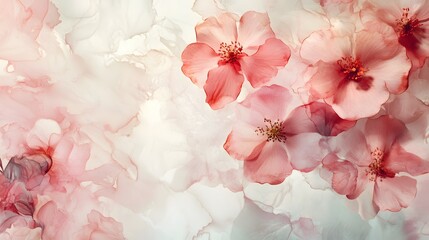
(349, 120)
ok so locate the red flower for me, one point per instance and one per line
(223, 53)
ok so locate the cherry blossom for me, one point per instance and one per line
(224, 54)
(358, 73)
(370, 161)
(270, 135)
(409, 20)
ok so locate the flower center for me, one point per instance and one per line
(230, 52)
(376, 168)
(406, 25)
(352, 68)
(273, 131)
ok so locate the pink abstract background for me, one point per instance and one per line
(214, 119)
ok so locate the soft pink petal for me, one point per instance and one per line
(243, 143)
(417, 47)
(299, 121)
(254, 29)
(261, 67)
(325, 46)
(304, 151)
(271, 166)
(351, 102)
(344, 174)
(362, 183)
(198, 59)
(223, 85)
(421, 9)
(383, 131)
(388, 11)
(373, 48)
(53, 219)
(271, 102)
(353, 146)
(396, 193)
(326, 120)
(213, 31)
(367, 208)
(324, 83)
(393, 70)
(399, 160)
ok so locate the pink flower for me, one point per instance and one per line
(223, 53)
(355, 73)
(375, 161)
(272, 137)
(410, 22)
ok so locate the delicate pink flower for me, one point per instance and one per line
(410, 22)
(375, 161)
(355, 73)
(272, 137)
(223, 53)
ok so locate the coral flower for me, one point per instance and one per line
(223, 53)
(410, 22)
(375, 164)
(273, 137)
(355, 74)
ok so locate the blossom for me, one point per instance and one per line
(409, 22)
(358, 73)
(223, 54)
(373, 163)
(19, 181)
(272, 137)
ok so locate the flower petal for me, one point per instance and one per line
(324, 83)
(351, 102)
(213, 31)
(344, 174)
(394, 193)
(325, 46)
(299, 121)
(198, 59)
(326, 120)
(304, 151)
(243, 143)
(353, 146)
(367, 208)
(383, 131)
(400, 160)
(393, 71)
(223, 85)
(261, 67)
(271, 101)
(271, 166)
(254, 29)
